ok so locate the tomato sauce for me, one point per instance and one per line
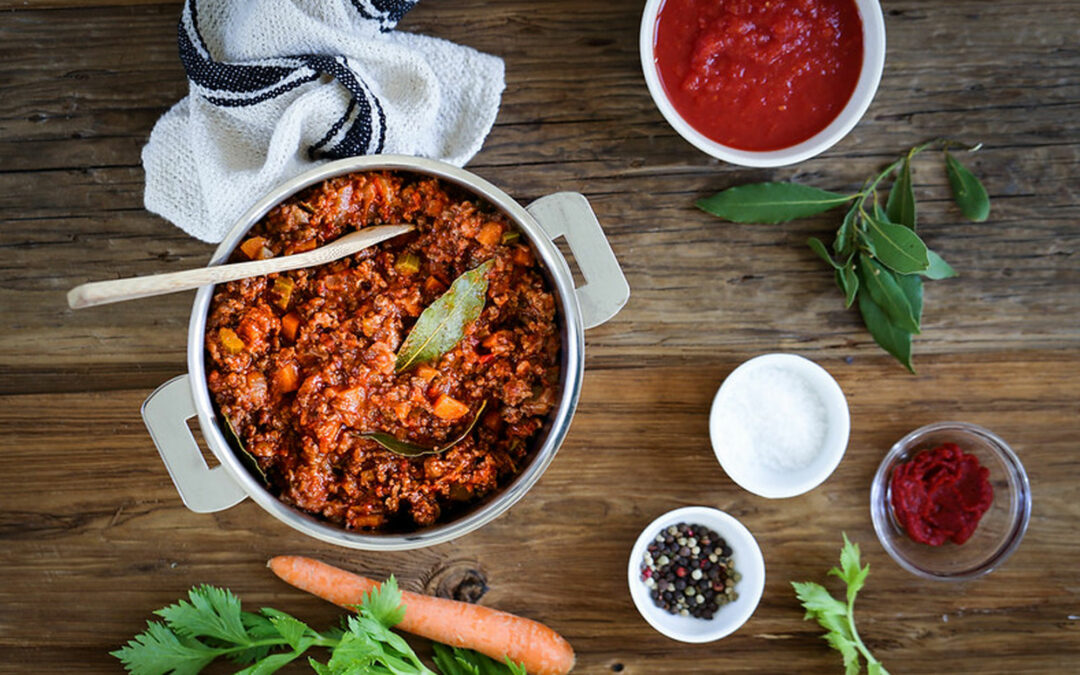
(302, 363)
(759, 74)
(940, 495)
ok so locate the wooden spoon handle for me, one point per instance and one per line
(117, 290)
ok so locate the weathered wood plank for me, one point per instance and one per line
(110, 525)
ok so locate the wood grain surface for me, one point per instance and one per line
(94, 536)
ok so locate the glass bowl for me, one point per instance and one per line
(999, 531)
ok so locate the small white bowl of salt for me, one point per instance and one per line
(779, 425)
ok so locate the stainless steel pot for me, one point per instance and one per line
(568, 214)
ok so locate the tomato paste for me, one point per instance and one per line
(756, 74)
(941, 494)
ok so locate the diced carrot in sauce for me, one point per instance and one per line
(433, 285)
(490, 234)
(282, 291)
(286, 378)
(522, 256)
(231, 341)
(289, 325)
(426, 373)
(255, 248)
(402, 410)
(449, 408)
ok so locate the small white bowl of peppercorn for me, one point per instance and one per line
(696, 574)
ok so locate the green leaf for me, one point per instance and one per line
(817, 247)
(968, 193)
(912, 286)
(890, 338)
(248, 459)
(442, 325)
(938, 269)
(271, 664)
(457, 661)
(383, 603)
(770, 202)
(816, 600)
(850, 570)
(291, 629)
(883, 288)
(213, 612)
(407, 449)
(900, 208)
(897, 246)
(158, 650)
(844, 244)
(875, 668)
(848, 281)
(848, 651)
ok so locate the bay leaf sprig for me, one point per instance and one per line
(410, 449)
(878, 259)
(443, 323)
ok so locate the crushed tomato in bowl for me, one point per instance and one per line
(302, 363)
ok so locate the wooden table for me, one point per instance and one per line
(95, 536)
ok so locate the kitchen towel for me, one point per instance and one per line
(276, 86)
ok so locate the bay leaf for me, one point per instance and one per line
(900, 208)
(443, 323)
(897, 247)
(845, 236)
(968, 193)
(938, 269)
(883, 288)
(817, 247)
(246, 458)
(408, 449)
(912, 286)
(848, 280)
(770, 202)
(894, 340)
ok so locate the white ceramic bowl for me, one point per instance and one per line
(873, 63)
(771, 482)
(745, 555)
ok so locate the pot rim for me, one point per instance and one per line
(571, 365)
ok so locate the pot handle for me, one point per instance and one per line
(605, 290)
(166, 412)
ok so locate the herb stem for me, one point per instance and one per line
(855, 632)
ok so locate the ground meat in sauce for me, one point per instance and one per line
(302, 362)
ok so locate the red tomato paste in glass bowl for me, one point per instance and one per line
(950, 501)
(759, 74)
(940, 495)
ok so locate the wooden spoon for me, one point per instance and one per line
(117, 290)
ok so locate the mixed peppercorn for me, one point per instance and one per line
(688, 571)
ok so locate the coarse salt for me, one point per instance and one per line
(773, 417)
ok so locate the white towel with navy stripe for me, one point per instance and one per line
(277, 86)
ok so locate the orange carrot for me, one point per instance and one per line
(449, 408)
(497, 634)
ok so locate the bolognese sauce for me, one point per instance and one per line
(302, 363)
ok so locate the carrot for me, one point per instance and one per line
(449, 408)
(289, 324)
(490, 234)
(497, 634)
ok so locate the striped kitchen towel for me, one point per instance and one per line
(276, 86)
